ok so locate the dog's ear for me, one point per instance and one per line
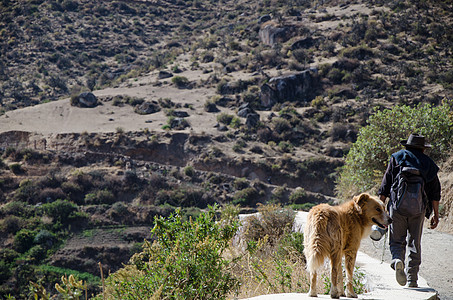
(361, 199)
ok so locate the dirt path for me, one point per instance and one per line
(437, 254)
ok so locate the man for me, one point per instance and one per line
(407, 230)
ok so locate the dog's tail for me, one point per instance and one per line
(315, 249)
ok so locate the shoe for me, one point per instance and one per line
(412, 284)
(400, 273)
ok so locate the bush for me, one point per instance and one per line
(241, 183)
(45, 238)
(27, 192)
(17, 208)
(180, 81)
(100, 197)
(369, 155)
(60, 210)
(11, 224)
(273, 222)
(23, 240)
(225, 118)
(185, 262)
(245, 197)
(189, 171)
(37, 253)
(298, 196)
(16, 168)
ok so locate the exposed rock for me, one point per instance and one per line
(222, 128)
(264, 19)
(211, 107)
(164, 75)
(270, 34)
(85, 99)
(346, 64)
(252, 120)
(234, 87)
(225, 101)
(304, 43)
(346, 93)
(295, 87)
(180, 114)
(244, 110)
(391, 48)
(179, 123)
(147, 108)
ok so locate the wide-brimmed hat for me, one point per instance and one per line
(416, 141)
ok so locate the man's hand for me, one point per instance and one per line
(434, 221)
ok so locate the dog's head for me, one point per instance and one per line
(373, 210)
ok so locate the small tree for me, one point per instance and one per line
(185, 262)
(369, 155)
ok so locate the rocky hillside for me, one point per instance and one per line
(193, 103)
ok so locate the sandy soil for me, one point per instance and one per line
(61, 117)
(436, 267)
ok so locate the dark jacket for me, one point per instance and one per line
(417, 159)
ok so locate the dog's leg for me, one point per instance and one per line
(335, 259)
(349, 264)
(313, 292)
(340, 285)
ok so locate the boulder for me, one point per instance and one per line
(270, 34)
(179, 123)
(147, 108)
(264, 19)
(211, 107)
(164, 75)
(180, 114)
(85, 99)
(252, 120)
(234, 87)
(244, 110)
(294, 87)
(304, 43)
(346, 64)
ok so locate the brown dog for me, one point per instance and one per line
(336, 231)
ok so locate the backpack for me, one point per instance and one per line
(408, 193)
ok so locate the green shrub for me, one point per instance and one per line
(367, 160)
(245, 197)
(273, 222)
(23, 240)
(189, 171)
(279, 194)
(180, 81)
(304, 206)
(185, 262)
(37, 253)
(60, 210)
(241, 183)
(27, 192)
(225, 118)
(5, 271)
(285, 146)
(45, 237)
(17, 208)
(11, 224)
(16, 168)
(298, 196)
(100, 197)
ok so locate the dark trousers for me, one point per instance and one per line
(406, 231)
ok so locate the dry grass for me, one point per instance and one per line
(268, 272)
(273, 261)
